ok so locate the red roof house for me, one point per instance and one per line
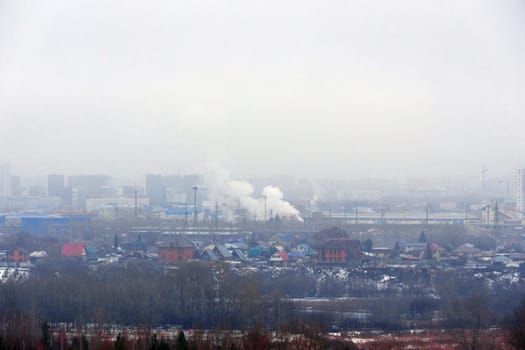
(280, 257)
(74, 249)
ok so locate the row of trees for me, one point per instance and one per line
(193, 295)
(203, 296)
(23, 335)
(214, 296)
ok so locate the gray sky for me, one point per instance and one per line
(344, 89)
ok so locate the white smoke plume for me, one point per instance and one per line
(237, 194)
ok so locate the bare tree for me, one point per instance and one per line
(516, 327)
(471, 316)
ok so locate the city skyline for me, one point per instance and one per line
(296, 174)
(36, 178)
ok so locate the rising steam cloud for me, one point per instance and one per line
(234, 194)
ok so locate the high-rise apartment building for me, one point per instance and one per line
(92, 185)
(155, 189)
(99, 185)
(161, 189)
(55, 185)
(5, 179)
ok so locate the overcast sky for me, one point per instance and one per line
(345, 89)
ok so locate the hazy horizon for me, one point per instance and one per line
(338, 89)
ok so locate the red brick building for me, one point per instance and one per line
(18, 256)
(334, 246)
(176, 252)
(339, 251)
(334, 233)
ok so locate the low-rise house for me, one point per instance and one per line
(208, 254)
(296, 255)
(51, 245)
(339, 251)
(302, 252)
(222, 252)
(18, 256)
(381, 252)
(437, 249)
(239, 254)
(302, 247)
(408, 257)
(73, 250)
(176, 252)
(255, 252)
(260, 252)
(517, 256)
(501, 260)
(135, 246)
(334, 246)
(280, 256)
(414, 248)
(37, 255)
(467, 249)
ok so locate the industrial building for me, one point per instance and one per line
(110, 207)
(43, 225)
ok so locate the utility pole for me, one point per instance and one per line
(356, 216)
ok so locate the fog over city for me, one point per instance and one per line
(346, 89)
(232, 174)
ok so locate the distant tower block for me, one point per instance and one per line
(520, 191)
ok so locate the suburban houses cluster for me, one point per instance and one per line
(329, 247)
